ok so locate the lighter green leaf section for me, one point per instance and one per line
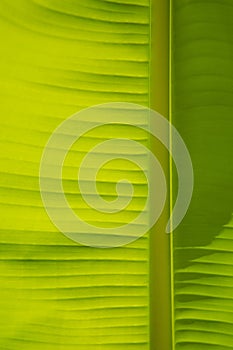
(58, 57)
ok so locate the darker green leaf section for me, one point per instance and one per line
(202, 104)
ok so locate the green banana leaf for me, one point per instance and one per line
(57, 58)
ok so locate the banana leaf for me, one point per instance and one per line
(158, 292)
